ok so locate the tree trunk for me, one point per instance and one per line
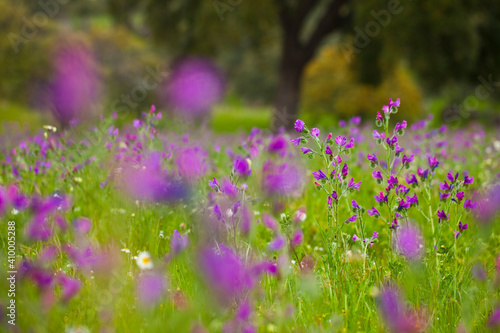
(286, 104)
(287, 97)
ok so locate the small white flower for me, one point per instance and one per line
(125, 250)
(144, 260)
(15, 211)
(229, 212)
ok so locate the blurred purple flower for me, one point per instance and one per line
(241, 167)
(178, 243)
(191, 163)
(150, 288)
(194, 86)
(70, 287)
(408, 241)
(74, 85)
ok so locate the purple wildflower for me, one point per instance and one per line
(373, 212)
(319, 175)
(409, 242)
(277, 244)
(381, 198)
(315, 132)
(150, 288)
(178, 243)
(299, 125)
(295, 142)
(305, 150)
(352, 218)
(350, 144)
(241, 167)
(468, 180)
(469, 205)
(355, 238)
(214, 184)
(442, 215)
(352, 185)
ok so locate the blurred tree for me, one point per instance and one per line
(443, 40)
(344, 93)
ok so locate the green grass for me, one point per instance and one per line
(339, 295)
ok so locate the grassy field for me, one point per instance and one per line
(267, 250)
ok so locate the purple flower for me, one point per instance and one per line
(355, 205)
(299, 125)
(340, 140)
(70, 287)
(297, 238)
(468, 180)
(433, 163)
(214, 184)
(403, 205)
(242, 167)
(408, 160)
(150, 288)
(278, 145)
(395, 103)
(373, 212)
(352, 185)
(377, 175)
(225, 273)
(412, 179)
(269, 222)
(355, 238)
(378, 137)
(217, 212)
(315, 132)
(469, 205)
(345, 170)
(375, 235)
(82, 225)
(452, 178)
(137, 123)
(352, 218)
(191, 163)
(412, 200)
(494, 319)
(277, 244)
(319, 175)
(460, 196)
(409, 242)
(284, 179)
(350, 144)
(305, 150)
(397, 315)
(178, 243)
(444, 186)
(334, 195)
(328, 150)
(381, 198)
(386, 108)
(442, 215)
(373, 159)
(443, 196)
(423, 173)
(462, 227)
(194, 86)
(295, 142)
(400, 127)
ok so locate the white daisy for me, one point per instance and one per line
(125, 250)
(144, 260)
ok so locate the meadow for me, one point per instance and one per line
(160, 225)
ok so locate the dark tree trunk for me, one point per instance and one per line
(287, 96)
(295, 54)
